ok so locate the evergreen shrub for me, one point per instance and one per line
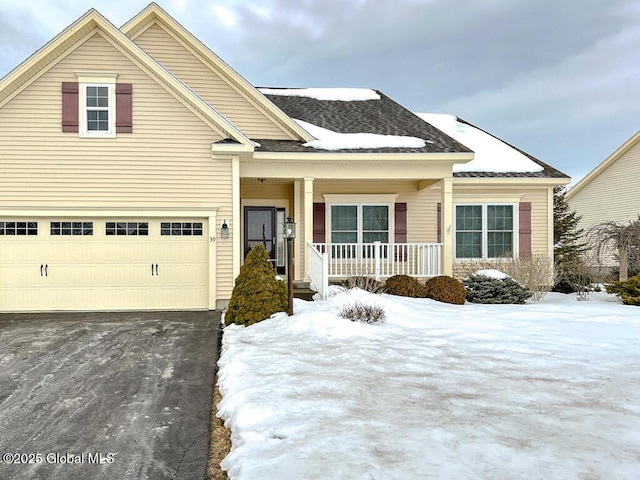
(257, 293)
(446, 289)
(628, 291)
(484, 289)
(405, 286)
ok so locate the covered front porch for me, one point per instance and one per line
(372, 227)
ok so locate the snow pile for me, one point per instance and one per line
(437, 391)
(335, 94)
(330, 140)
(491, 273)
(490, 154)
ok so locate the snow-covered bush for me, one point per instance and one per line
(444, 288)
(257, 293)
(629, 291)
(360, 312)
(492, 286)
(405, 286)
(363, 282)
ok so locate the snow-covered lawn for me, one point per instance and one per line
(547, 390)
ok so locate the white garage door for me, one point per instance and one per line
(105, 264)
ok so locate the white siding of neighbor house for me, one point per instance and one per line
(165, 164)
(208, 84)
(614, 194)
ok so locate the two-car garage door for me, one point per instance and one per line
(103, 264)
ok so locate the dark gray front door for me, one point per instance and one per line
(260, 227)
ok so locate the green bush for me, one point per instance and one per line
(628, 291)
(483, 289)
(446, 289)
(257, 293)
(405, 286)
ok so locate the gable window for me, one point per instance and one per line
(484, 231)
(97, 106)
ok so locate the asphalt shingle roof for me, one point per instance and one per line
(383, 117)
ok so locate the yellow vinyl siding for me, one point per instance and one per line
(614, 194)
(164, 164)
(208, 84)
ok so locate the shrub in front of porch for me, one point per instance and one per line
(495, 289)
(257, 293)
(444, 288)
(405, 286)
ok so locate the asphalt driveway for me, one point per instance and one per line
(106, 395)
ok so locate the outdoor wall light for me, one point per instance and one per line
(224, 230)
(289, 228)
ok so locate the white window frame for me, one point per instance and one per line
(97, 79)
(485, 231)
(359, 230)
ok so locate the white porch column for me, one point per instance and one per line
(297, 217)
(236, 237)
(446, 220)
(213, 261)
(308, 225)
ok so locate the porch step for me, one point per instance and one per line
(303, 291)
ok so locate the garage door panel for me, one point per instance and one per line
(103, 272)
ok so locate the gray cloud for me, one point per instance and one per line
(554, 78)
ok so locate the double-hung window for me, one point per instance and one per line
(358, 224)
(484, 231)
(98, 108)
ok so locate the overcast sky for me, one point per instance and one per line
(560, 79)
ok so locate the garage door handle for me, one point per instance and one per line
(154, 271)
(43, 270)
(46, 268)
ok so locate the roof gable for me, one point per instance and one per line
(606, 163)
(86, 27)
(155, 15)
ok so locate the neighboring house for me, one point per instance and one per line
(138, 169)
(610, 192)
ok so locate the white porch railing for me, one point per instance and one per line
(318, 270)
(375, 259)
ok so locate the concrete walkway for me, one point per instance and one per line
(106, 395)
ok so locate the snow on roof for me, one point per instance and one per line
(336, 94)
(491, 154)
(330, 140)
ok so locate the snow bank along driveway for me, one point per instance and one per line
(547, 390)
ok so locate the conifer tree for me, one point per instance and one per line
(568, 239)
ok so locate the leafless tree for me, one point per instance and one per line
(625, 237)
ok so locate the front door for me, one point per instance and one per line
(260, 227)
(264, 225)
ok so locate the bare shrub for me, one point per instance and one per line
(363, 282)
(574, 275)
(360, 312)
(533, 271)
(606, 237)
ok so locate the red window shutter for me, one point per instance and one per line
(400, 236)
(439, 223)
(124, 123)
(70, 107)
(400, 223)
(525, 228)
(319, 235)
